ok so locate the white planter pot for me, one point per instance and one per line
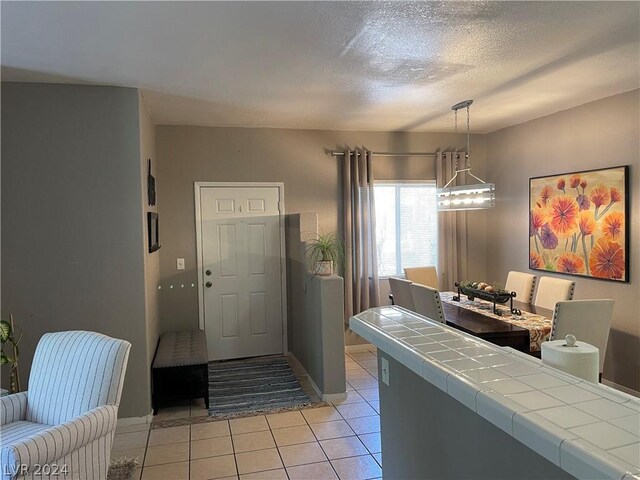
(324, 268)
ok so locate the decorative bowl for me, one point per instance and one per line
(498, 295)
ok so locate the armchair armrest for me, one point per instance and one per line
(13, 407)
(57, 441)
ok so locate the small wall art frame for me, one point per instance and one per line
(578, 223)
(151, 186)
(153, 232)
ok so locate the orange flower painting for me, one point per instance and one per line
(600, 195)
(578, 223)
(570, 263)
(607, 260)
(587, 223)
(613, 226)
(545, 195)
(564, 216)
(535, 261)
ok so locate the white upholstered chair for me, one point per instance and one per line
(423, 275)
(521, 283)
(426, 301)
(552, 290)
(401, 291)
(588, 320)
(68, 417)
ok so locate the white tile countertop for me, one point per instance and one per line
(588, 430)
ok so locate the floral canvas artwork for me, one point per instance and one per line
(578, 224)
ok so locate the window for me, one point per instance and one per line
(406, 226)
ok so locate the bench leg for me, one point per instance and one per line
(206, 385)
(154, 394)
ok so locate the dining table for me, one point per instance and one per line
(524, 332)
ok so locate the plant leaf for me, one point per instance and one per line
(3, 359)
(5, 330)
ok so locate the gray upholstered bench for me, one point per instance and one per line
(180, 368)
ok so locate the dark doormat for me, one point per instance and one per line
(253, 385)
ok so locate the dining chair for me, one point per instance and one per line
(426, 301)
(588, 320)
(401, 291)
(552, 290)
(423, 275)
(521, 283)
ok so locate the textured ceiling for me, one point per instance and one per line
(332, 65)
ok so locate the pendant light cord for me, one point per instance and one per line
(455, 116)
(468, 155)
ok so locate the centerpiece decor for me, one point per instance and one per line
(488, 293)
(578, 223)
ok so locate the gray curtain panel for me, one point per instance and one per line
(452, 229)
(361, 289)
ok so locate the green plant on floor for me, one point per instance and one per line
(326, 247)
(9, 353)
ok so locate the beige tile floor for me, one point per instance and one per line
(341, 441)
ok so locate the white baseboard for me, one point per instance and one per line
(125, 422)
(361, 347)
(334, 397)
(622, 388)
(325, 397)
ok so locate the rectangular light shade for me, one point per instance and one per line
(466, 197)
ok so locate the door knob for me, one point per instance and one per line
(208, 273)
(208, 284)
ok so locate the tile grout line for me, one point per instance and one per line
(233, 449)
(189, 461)
(144, 455)
(318, 441)
(369, 403)
(346, 420)
(277, 447)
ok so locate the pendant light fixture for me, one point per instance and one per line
(475, 196)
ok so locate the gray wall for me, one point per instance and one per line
(315, 310)
(425, 433)
(296, 157)
(151, 260)
(72, 235)
(596, 135)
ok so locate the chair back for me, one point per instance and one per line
(401, 291)
(73, 372)
(588, 320)
(426, 301)
(423, 275)
(552, 290)
(521, 283)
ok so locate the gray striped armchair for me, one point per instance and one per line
(63, 426)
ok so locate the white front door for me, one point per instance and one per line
(241, 279)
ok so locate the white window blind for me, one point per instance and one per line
(406, 226)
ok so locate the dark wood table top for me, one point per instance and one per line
(489, 328)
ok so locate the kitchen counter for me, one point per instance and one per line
(580, 429)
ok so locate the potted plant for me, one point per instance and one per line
(324, 253)
(9, 337)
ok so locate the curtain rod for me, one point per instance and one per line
(389, 154)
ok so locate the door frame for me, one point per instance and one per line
(198, 186)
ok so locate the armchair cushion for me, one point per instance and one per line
(13, 408)
(29, 443)
(16, 431)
